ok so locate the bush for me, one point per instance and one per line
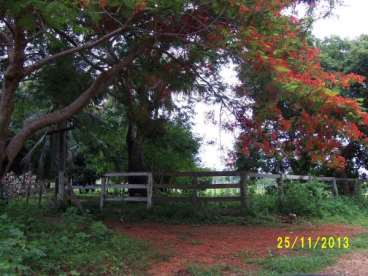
(15, 250)
(312, 199)
(42, 242)
(99, 231)
(304, 199)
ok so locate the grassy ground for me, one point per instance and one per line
(41, 242)
(336, 211)
(37, 241)
(346, 211)
(297, 262)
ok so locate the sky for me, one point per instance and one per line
(348, 21)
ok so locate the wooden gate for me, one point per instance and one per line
(105, 186)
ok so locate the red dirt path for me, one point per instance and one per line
(218, 244)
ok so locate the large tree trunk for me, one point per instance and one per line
(12, 77)
(62, 151)
(134, 140)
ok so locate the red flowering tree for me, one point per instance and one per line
(296, 111)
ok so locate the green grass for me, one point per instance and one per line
(297, 262)
(306, 261)
(40, 242)
(184, 213)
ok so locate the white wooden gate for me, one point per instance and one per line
(106, 185)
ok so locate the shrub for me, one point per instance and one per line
(15, 249)
(304, 199)
(99, 231)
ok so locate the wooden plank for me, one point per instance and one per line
(334, 188)
(200, 186)
(115, 174)
(244, 190)
(103, 193)
(127, 186)
(250, 174)
(194, 190)
(345, 179)
(199, 174)
(216, 173)
(324, 178)
(112, 186)
(149, 191)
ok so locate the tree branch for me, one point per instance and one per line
(101, 82)
(28, 70)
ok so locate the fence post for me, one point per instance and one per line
(195, 190)
(149, 191)
(334, 187)
(280, 189)
(244, 190)
(103, 191)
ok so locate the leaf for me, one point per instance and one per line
(281, 69)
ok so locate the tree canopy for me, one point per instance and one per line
(285, 103)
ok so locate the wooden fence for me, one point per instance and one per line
(189, 191)
(195, 186)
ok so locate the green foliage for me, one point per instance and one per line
(312, 199)
(304, 199)
(175, 150)
(44, 243)
(334, 52)
(299, 263)
(102, 129)
(16, 252)
(177, 213)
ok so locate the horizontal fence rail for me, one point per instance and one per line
(158, 183)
